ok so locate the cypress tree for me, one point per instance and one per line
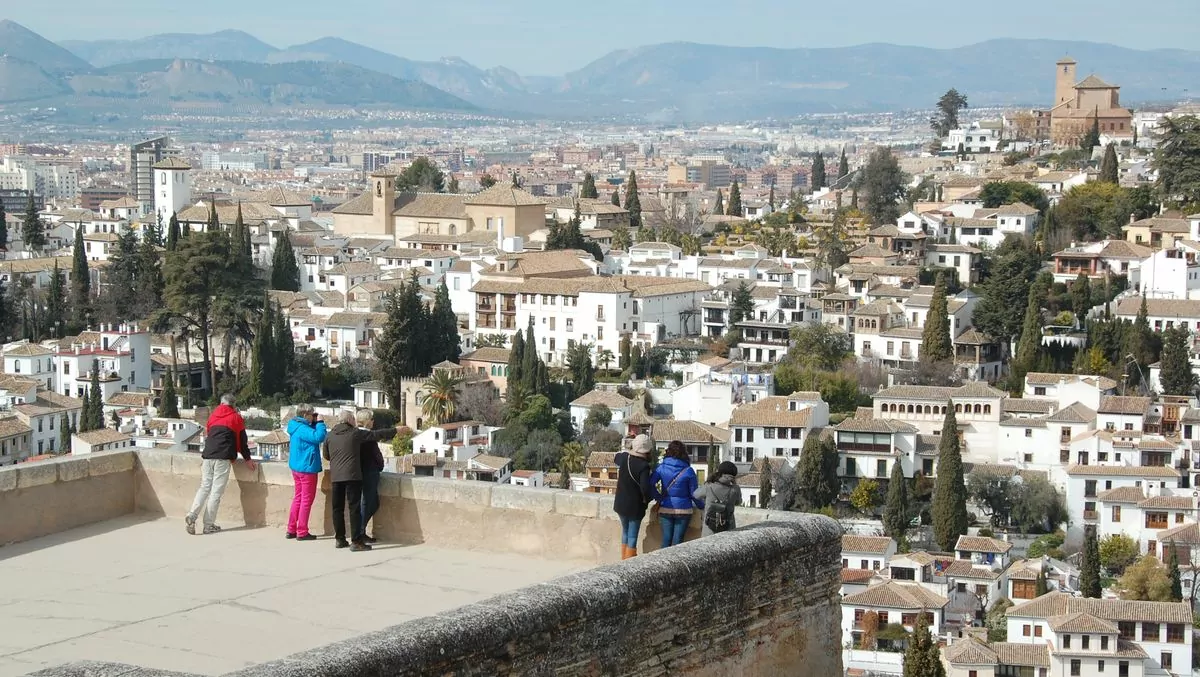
(632, 204)
(516, 362)
(170, 401)
(735, 201)
(1092, 138)
(56, 303)
(3, 228)
(285, 349)
(529, 361)
(936, 345)
(1030, 341)
(443, 332)
(818, 180)
(1176, 579)
(719, 206)
(589, 186)
(895, 510)
(1041, 587)
(239, 245)
(843, 165)
(1109, 168)
(1089, 570)
(616, 198)
(815, 489)
(95, 399)
(83, 413)
(214, 224)
(81, 286)
(922, 658)
(173, 233)
(64, 434)
(263, 369)
(771, 198)
(33, 231)
(1176, 375)
(285, 271)
(949, 507)
(1081, 296)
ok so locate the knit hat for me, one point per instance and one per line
(727, 468)
(640, 446)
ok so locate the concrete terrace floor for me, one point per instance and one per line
(142, 591)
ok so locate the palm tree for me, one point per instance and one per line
(515, 402)
(572, 458)
(441, 401)
(605, 357)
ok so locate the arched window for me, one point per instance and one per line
(910, 408)
(927, 409)
(987, 408)
(978, 409)
(958, 408)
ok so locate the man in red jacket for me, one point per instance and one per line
(224, 439)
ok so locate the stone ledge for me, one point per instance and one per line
(108, 462)
(36, 474)
(96, 669)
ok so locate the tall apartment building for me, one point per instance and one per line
(54, 182)
(142, 158)
(214, 161)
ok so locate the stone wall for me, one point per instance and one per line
(762, 600)
(46, 497)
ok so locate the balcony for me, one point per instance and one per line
(96, 515)
(485, 304)
(485, 320)
(863, 447)
(509, 308)
(1092, 516)
(1157, 524)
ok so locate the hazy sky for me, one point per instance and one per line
(550, 37)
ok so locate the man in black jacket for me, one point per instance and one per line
(343, 450)
(224, 439)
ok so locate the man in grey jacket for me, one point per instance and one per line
(342, 450)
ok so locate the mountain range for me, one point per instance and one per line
(670, 82)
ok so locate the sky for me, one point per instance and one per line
(550, 37)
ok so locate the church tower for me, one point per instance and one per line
(383, 202)
(1064, 81)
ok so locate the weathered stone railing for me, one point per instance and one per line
(762, 600)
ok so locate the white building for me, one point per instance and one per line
(620, 406)
(983, 136)
(172, 187)
(103, 439)
(776, 427)
(459, 441)
(896, 604)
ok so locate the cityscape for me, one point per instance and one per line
(937, 304)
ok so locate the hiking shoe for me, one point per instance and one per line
(190, 524)
(341, 544)
(359, 546)
(289, 535)
(306, 537)
(212, 529)
(369, 539)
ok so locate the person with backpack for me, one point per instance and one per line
(675, 498)
(718, 497)
(633, 492)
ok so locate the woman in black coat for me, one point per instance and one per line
(633, 492)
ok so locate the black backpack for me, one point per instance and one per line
(717, 515)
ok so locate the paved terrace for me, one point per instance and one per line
(142, 591)
(99, 579)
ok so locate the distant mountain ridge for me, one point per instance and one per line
(676, 81)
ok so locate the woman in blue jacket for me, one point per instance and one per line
(306, 432)
(674, 483)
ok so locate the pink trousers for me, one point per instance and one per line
(302, 501)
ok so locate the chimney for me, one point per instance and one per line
(1132, 217)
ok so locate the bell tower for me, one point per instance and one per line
(383, 202)
(1064, 81)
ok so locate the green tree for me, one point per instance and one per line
(81, 287)
(64, 434)
(1147, 580)
(589, 186)
(863, 496)
(148, 281)
(1177, 159)
(3, 229)
(996, 620)
(719, 205)
(487, 181)
(95, 412)
(516, 362)
(734, 208)
(1173, 573)
(1041, 586)
(1092, 138)
(1094, 210)
(765, 490)
(285, 271)
(1081, 296)
(999, 193)
(771, 198)
(843, 165)
(616, 198)
(633, 204)
(817, 482)
(444, 342)
(173, 233)
(598, 415)
(572, 458)
(621, 239)
(895, 509)
(579, 365)
(949, 509)
(883, 182)
(538, 414)
(441, 397)
(1117, 551)
(922, 658)
(1176, 376)
(421, 176)
(402, 348)
(83, 412)
(122, 270)
(936, 345)
(170, 401)
(33, 231)
(1030, 342)
(819, 346)
(195, 275)
(1005, 293)
(817, 178)
(1089, 570)
(946, 116)
(741, 305)
(452, 187)
(56, 303)
(264, 370)
(1109, 168)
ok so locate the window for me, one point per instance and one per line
(1116, 513)
(881, 468)
(1086, 641)
(1029, 432)
(768, 433)
(1175, 633)
(1025, 631)
(1165, 660)
(1075, 667)
(1104, 642)
(1039, 391)
(1127, 629)
(1123, 669)
(1150, 632)
(1066, 642)
(1100, 666)
(1037, 631)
